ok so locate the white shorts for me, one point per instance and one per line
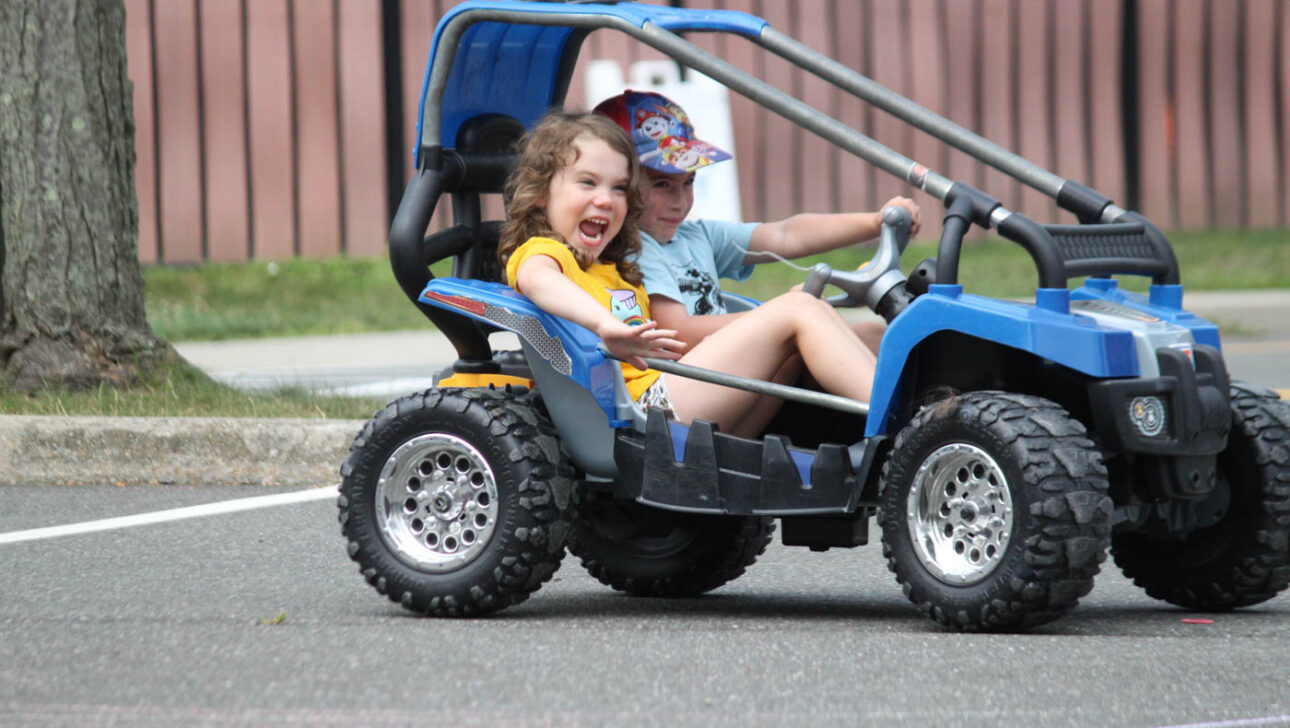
(657, 396)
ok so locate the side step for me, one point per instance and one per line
(701, 470)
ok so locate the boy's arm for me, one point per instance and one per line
(672, 314)
(813, 233)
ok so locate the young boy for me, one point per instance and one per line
(683, 260)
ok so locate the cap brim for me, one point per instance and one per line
(680, 156)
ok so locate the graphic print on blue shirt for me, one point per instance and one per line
(699, 283)
(624, 306)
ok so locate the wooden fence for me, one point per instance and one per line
(262, 125)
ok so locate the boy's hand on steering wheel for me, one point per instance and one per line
(910, 205)
(632, 343)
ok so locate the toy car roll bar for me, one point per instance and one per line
(1059, 252)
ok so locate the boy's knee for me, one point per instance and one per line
(802, 308)
(797, 299)
(870, 333)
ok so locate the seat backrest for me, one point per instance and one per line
(480, 262)
(486, 137)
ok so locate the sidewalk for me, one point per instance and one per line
(303, 453)
(383, 364)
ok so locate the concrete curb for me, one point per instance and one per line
(48, 450)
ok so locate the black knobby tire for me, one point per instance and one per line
(487, 498)
(650, 552)
(1011, 516)
(1244, 558)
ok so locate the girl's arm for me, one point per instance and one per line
(541, 279)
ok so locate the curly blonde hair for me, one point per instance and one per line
(548, 148)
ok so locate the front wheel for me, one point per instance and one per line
(457, 501)
(1244, 557)
(994, 511)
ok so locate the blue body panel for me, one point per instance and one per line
(589, 367)
(1073, 341)
(512, 69)
(1106, 289)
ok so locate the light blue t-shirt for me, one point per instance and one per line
(689, 268)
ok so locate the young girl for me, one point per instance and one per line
(573, 205)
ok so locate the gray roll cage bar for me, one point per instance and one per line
(1086, 203)
(1058, 251)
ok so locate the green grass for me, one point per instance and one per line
(177, 389)
(277, 298)
(341, 295)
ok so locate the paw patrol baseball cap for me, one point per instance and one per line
(661, 131)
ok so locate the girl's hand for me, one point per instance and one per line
(632, 343)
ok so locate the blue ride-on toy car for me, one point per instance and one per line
(1006, 447)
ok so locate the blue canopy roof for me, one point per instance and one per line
(512, 61)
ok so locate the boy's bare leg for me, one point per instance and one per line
(757, 345)
(870, 332)
(754, 423)
(837, 358)
(726, 352)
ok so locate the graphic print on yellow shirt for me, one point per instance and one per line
(623, 305)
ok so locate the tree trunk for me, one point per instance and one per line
(71, 292)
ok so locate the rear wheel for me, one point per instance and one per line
(647, 551)
(457, 501)
(994, 511)
(1244, 557)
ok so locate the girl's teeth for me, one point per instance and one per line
(591, 229)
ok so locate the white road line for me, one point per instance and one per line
(1238, 723)
(174, 514)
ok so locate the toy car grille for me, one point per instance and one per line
(1113, 309)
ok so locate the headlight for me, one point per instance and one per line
(1148, 415)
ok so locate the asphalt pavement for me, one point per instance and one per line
(41, 450)
(259, 618)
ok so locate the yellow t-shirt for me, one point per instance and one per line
(626, 302)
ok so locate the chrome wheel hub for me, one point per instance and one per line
(437, 500)
(959, 514)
